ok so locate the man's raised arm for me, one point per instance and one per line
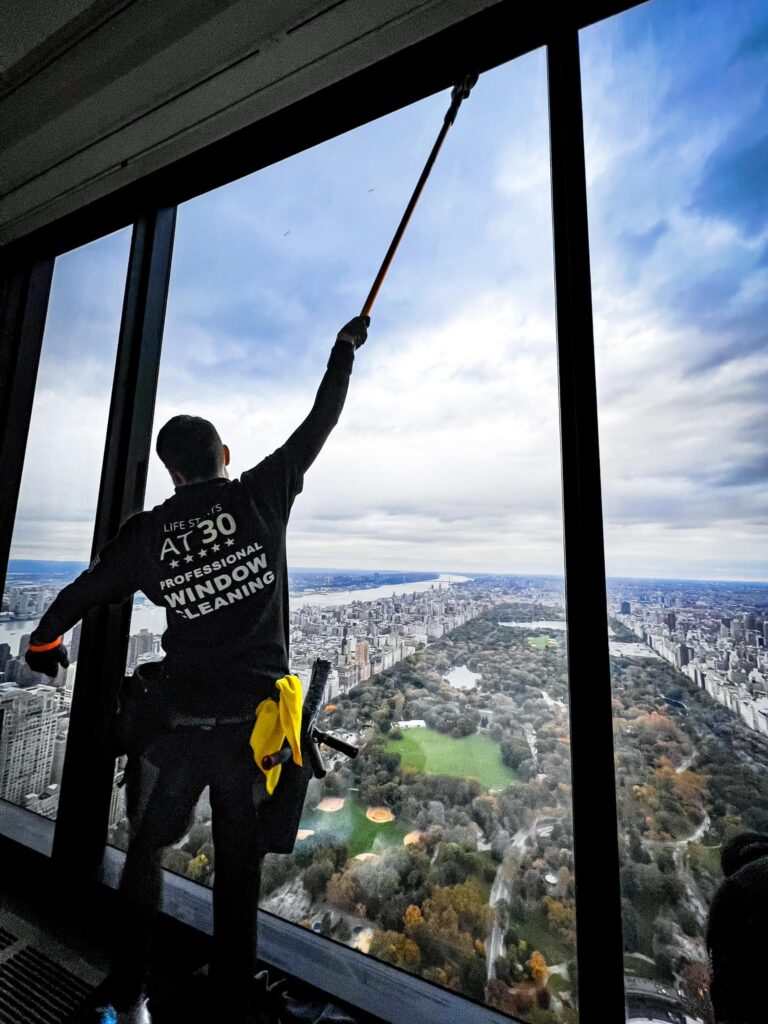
(279, 477)
(305, 442)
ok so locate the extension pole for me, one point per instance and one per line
(460, 92)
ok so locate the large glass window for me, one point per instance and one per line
(675, 123)
(426, 548)
(53, 530)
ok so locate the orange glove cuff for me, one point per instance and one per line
(39, 648)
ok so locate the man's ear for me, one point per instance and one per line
(226, 454)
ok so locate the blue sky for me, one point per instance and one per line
(447, 454)
(676, 109)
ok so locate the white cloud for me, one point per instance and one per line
(447, 453)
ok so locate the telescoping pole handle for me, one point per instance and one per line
(310, 749)
(335, 743)
(279, 757)
(460, 92)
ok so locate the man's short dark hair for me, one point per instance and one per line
(191, 446)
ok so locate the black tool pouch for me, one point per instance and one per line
(142, 710)
(278, 816)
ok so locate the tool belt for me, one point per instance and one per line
(177, 720)
(144, 712)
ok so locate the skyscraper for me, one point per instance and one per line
(74, 643)
(117, 801)
(363, 660)
(683, 655)
(28, 720)
(59, 750)
(18, 671)
(138, 644)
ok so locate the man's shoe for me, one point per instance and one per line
(138, 1014)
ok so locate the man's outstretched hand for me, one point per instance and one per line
(355, 332)
(47, 661)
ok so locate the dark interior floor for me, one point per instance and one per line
(54, 954)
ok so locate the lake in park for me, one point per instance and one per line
(462, 679)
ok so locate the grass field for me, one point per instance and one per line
(556, 984)
(350, 826)
(538, 934)
(541, 642)
(476, 757)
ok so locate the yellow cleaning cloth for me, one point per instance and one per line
(274, 722)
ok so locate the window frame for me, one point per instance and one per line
(495, 36)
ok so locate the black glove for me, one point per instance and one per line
(47, 661)
(355, 332)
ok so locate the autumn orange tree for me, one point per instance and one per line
(396, 948)
(562, 917)
(537, 968)
(459, 908)
(344, 891)
(412, 916)
(451, 926)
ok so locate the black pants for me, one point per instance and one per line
(163, 787)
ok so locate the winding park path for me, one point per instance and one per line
(691, 888)
(501, 889)
(678, 848)
(552, 703)
(687, 762)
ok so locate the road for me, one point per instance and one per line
(501, 889)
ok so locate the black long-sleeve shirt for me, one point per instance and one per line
(213, 555)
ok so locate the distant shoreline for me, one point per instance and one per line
(69, 569)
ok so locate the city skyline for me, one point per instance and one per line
(457, 698)
(448, 449)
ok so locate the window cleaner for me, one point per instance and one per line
(213, 555)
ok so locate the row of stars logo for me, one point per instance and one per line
(202, 552)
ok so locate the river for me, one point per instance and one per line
(152, 617)
(338, 597)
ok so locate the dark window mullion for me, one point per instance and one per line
(595, 833)
(87, 777)
(24, 298)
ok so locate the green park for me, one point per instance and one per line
(541, 642)
(433, 753)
